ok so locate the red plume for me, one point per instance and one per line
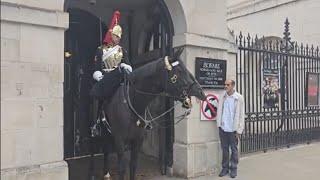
(114, 21)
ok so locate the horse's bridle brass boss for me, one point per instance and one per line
(174, 79)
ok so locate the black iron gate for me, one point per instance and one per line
(280, 81)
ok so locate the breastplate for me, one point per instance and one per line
(114, 58)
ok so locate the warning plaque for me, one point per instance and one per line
(209, 108)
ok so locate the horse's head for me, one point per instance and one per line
(181, 83)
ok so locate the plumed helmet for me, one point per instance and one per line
(114, 28)
(117, 30)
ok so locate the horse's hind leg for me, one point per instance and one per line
(135, 148)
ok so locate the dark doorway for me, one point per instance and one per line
(147, 35)
(82, 38)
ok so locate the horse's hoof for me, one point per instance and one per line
(107, 177)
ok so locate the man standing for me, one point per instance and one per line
(230, 121)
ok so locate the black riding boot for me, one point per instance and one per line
(96, 128)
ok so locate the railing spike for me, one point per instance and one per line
(277, 45)
(270, 45)
(296, 47)
(240, 39)
(248, 40)
(263, 40)
(256, 41)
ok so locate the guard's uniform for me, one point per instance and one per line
(110, 60)
(111, 71)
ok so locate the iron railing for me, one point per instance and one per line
(272, 75)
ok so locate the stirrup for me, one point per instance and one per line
(95, 131)
(148, 126)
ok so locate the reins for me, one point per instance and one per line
(153, 119)
(162, 94)
(181, 117)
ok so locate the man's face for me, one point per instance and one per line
(115, 39)
(228, 86)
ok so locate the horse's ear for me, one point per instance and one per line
(178, 52)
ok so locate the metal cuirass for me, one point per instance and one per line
(112, 56)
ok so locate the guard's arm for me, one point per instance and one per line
(125, 65)
(98, 71)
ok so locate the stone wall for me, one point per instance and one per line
(267, 18)
(32, 65)
(200, 26)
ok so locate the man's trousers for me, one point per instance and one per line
(229, 141)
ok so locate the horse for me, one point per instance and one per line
(166, 76)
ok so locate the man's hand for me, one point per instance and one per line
(238, 136)
(97, 75)
(126, 67)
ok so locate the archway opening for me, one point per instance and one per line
(147, 35)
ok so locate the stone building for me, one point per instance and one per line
(266, 18)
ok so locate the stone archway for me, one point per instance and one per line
(147, 34)
(177, 15)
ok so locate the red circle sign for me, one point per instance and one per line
(209, 107)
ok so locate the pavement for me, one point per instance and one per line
(299, 162)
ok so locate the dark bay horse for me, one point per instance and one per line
(166, 76)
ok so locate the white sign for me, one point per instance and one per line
(209, 108)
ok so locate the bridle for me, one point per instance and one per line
(170, 80)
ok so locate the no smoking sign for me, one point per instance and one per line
(209, 108)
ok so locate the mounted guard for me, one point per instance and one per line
(110, 62)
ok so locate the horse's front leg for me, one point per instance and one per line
(106, 164)
(92, 149)
(121, 158)
(135, 148)
(107, 149)
(122, 165)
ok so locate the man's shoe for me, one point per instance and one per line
(223, 172)
(233, 173)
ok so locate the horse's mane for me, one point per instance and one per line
(147, 70)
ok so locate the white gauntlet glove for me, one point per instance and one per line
(126, 67)
(97, 75)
